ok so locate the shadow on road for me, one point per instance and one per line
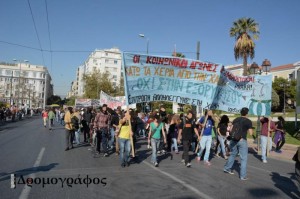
(262, 193)
(28, 171)
(286, 185)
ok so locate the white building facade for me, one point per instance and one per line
(24, 84)
(106, 61)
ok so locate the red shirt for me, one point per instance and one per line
(264, 127)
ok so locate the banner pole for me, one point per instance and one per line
(269, 125)
(200, 136)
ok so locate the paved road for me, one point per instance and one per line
(30, 150)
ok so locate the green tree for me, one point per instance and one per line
(275, 100)
(242, 30)
(120, 90)
(290, 90)
(95, 82)
(70, 101)
(54, 99)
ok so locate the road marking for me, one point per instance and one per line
(26, 190)
(193, 189)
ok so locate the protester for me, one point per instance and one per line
(173, 132)
(101, 124)
(222, 130)
(206, 136)
(86, 120)
(154, 136)
(124, 135)
(241, 126)
(266, 138)
(51, 116)
(76, 121)
(187, 128)
(45, 117)
(69, 129)
(279, 138)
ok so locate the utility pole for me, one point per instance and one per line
(11, 79)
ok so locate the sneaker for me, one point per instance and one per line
(158, 152)
(228, 171)
(198, 158)
(226, 157)
(245, 178)
(177, 152)
(123, 165)
(278, 151)
(105, 154)
(207, 163)
(67, 149)
(265, 161)
(188, 165)
(217, 155)
(156, 164)
(183, 161)
(127, 164)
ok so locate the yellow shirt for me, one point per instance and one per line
(67, 120)
(125, 132)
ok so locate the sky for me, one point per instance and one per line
(63, 39)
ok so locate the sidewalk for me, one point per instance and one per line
(288, 151)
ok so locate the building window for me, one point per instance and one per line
(106, 60)
(106, 54)
(8, 72)
(115, 77)
(290, 76)
(115, 61)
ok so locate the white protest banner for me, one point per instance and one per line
(159, 78)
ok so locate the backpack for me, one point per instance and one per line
(75, 122)
(236, 131)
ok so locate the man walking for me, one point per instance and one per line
(69, 129)
(187, 128)
(238, 144)
(101, 124)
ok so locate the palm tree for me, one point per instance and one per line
(242, 30)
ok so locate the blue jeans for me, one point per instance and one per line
(174, 144)
(155, 146)
(124, 149)
(263, 142)
(112, 138)
(240, 147)
(222, 145)
(205, 142)
(77, 136)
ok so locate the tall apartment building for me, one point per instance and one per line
(25, 84)
(106, 60)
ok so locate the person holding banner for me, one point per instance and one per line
(124, 135)
(101, 124)
(187, 128)
(156, 127)
(206, 136)
(267, 127)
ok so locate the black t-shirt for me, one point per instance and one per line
(246, 125)
(188, 129)
(222, 128)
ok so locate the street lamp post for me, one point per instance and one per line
(143, 36)
(255, 69)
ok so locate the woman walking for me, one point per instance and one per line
(279, 138)
(156, 127)
(124, 135)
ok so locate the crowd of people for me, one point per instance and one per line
(116, 131)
